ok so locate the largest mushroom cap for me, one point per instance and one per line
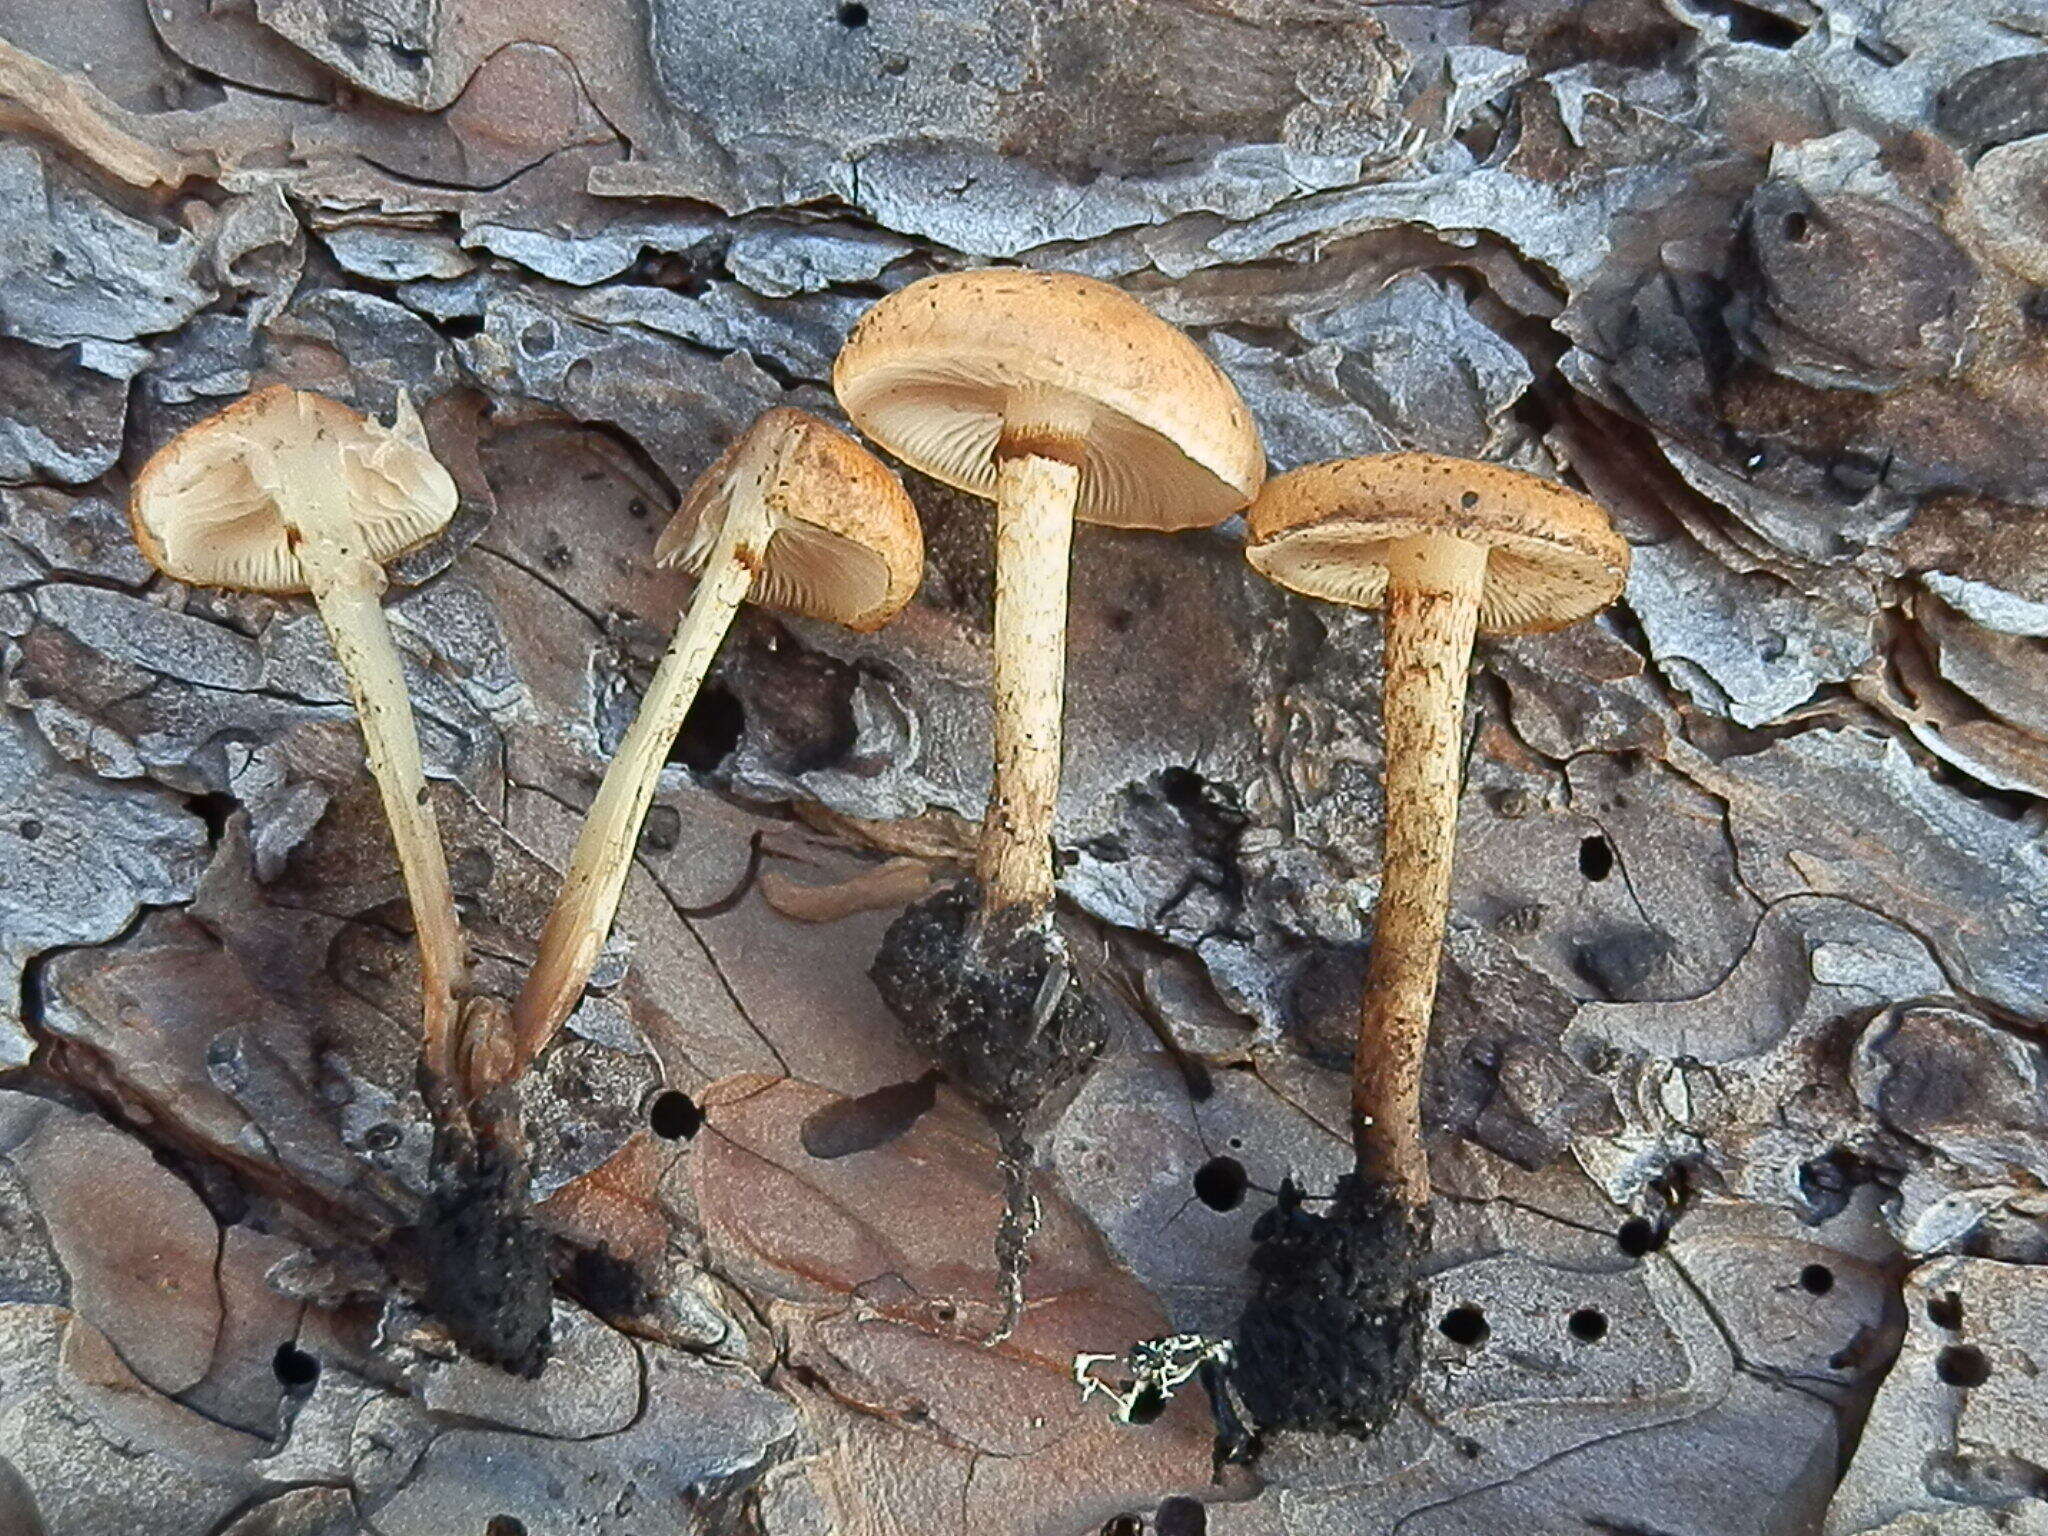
(227, 502)
(848, 547)
(936, 370)
(1553, 558)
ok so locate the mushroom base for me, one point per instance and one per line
(973, 1003)
(487, 1275)
(1332, 1336)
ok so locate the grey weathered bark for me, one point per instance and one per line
(1736, 1063)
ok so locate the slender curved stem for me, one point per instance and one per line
(1432, 607)
(348, 588)
(1034, 536)
(589, 900)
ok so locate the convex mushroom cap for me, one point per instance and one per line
(207, 508)
(1327, 531)
(795, 515)
(288, 492)
(846, 546)
(947, 370)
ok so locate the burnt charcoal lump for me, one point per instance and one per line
(1332, 1336)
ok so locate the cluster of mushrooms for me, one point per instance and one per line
(1058, 397)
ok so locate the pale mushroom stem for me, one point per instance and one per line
(583, 912)
(1432, 608)
(1035, 499)
(348, 589)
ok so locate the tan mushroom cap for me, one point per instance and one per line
(210, 506)
(848, 547)
(1553, 556)
(936, 370)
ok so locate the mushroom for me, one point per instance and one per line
(1449, 548)
(795, 516)
(1059, 397)
(287, 492)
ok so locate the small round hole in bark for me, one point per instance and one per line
(294, 1367)
(1181, 1517)
(1588, 1325)
(711, 730)
(853, 14)
(674, 1115)
(1124, 1525)
(1220, 1183)
(1596, 858)
(1639, 1235)
(1816, 1279)
(30, 829)
(1945, 1311)
(1465, 1326)
(1962, 1365)
(1182, 787)
(505, 1525)
(214, 809)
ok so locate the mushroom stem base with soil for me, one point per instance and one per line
(487, 1275)
(1332, 1336)
(347, 588)
(1034, 537)
(998, 1010)
(977, 973)
(582, 916)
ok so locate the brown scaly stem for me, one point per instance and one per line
(1432, 604)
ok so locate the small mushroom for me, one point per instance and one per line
(1059, 397)
(288, 492)
(1449, 548)
(796, 516)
